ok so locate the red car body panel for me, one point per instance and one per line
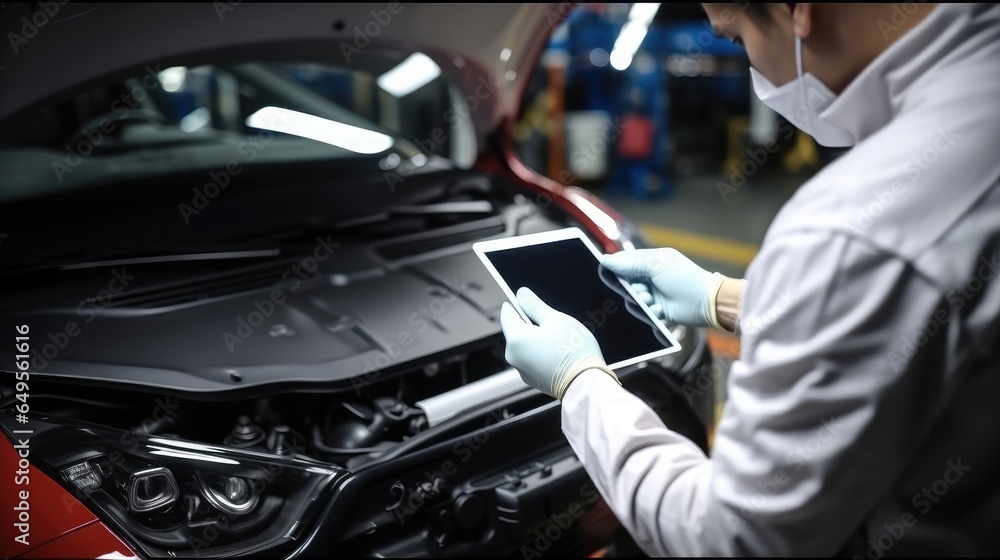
(57, 523)
(90, 541)
(595, 215)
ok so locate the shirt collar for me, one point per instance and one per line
(878, 93)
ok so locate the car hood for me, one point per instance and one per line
(487, 50)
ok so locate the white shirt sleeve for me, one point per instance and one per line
(839, 378)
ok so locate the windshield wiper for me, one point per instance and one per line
(462, 207)
(45, 265)
(181, 257)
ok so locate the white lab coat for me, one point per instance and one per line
(867, 391)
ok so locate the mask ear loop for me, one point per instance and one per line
(798, 67)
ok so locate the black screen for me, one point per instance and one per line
(567, 276)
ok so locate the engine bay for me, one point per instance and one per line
(334, 384)
(392, 479)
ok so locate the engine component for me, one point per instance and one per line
(441, 407)
(357, 427)
(245, 434)
(283, 440)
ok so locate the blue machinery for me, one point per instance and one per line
(639, 94)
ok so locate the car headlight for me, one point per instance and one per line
(178, 498)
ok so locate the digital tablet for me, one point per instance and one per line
(563, 269)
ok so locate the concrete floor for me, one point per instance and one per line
(718, 234)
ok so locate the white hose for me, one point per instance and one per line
(489, 389)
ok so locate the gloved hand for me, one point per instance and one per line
(680, 290)
(550, 355)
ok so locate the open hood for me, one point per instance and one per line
(487, 50)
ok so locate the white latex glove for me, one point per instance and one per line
(680, 290)
(646, 297)
(550, 355)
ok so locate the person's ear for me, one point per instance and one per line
(801, 20)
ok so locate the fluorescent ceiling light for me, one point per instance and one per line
(632, 33)
(643, 12)
(172, 79)
(353, 138)
(619, 60)
(411, 74)
(627, 44)
(631, 37)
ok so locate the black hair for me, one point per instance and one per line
(761, 11)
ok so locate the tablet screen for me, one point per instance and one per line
(567, 275)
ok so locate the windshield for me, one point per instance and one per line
(209, 117)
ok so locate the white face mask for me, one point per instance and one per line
(802, 101)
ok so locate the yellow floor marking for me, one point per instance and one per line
(705, 246)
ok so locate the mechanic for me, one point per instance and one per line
(861, 414)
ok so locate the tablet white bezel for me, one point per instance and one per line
(483, 248)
